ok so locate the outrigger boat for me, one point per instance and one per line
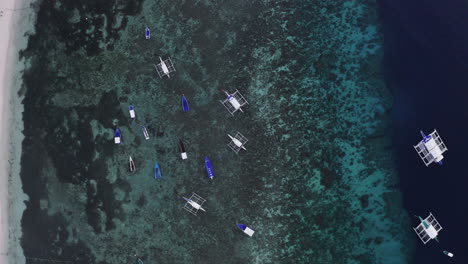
(209, 168)
(164, 68)
(185, 105)
(194, 203)
(117, 136)
(246, 229)
(131, 111)
(157, 171)
(145, 132)
(147, 33)
(430, 148)
(234, 102)
(132, 164)
(428, 228)
(237, 142)
(183, 153)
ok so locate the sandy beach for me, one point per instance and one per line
(15, 15)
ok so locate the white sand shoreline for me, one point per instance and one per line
(16, 18)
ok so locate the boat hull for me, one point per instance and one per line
(185, 104)
(147, 33)
(183, 153)
(117, 136)
(131, 164)
(131, 110)
(209, 168)
(157, 171)
(145, 132)
(247, 230)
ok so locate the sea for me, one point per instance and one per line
(337, 93)
(426, 71)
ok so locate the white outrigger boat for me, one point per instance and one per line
(237, 142)
(131, 164)
(194, 203)
(430, 148)
(164, 68)
(428, 228)
(131, 110)
(247, 230)
(145, 132)
(234, 102)
(448, 253)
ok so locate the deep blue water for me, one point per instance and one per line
(426, 55)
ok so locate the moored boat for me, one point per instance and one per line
(131, 164)
(147, 33)
(131, 110)
(117, 136)
(246, 229)
(157, 171)
(209, 168)
(145, 132)
(185, 105)
(183, 153)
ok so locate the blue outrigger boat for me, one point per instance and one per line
(147, 33)
(209, 168)
(157, 171)
(117, 136)
(185, 105)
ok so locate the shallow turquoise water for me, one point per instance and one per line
(317, 182)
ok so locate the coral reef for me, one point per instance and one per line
(317, 174)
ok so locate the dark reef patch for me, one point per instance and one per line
(62, 134)
(328, 177)
(45, 236)
(85, 26)
(141, 201)
(364, 201)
